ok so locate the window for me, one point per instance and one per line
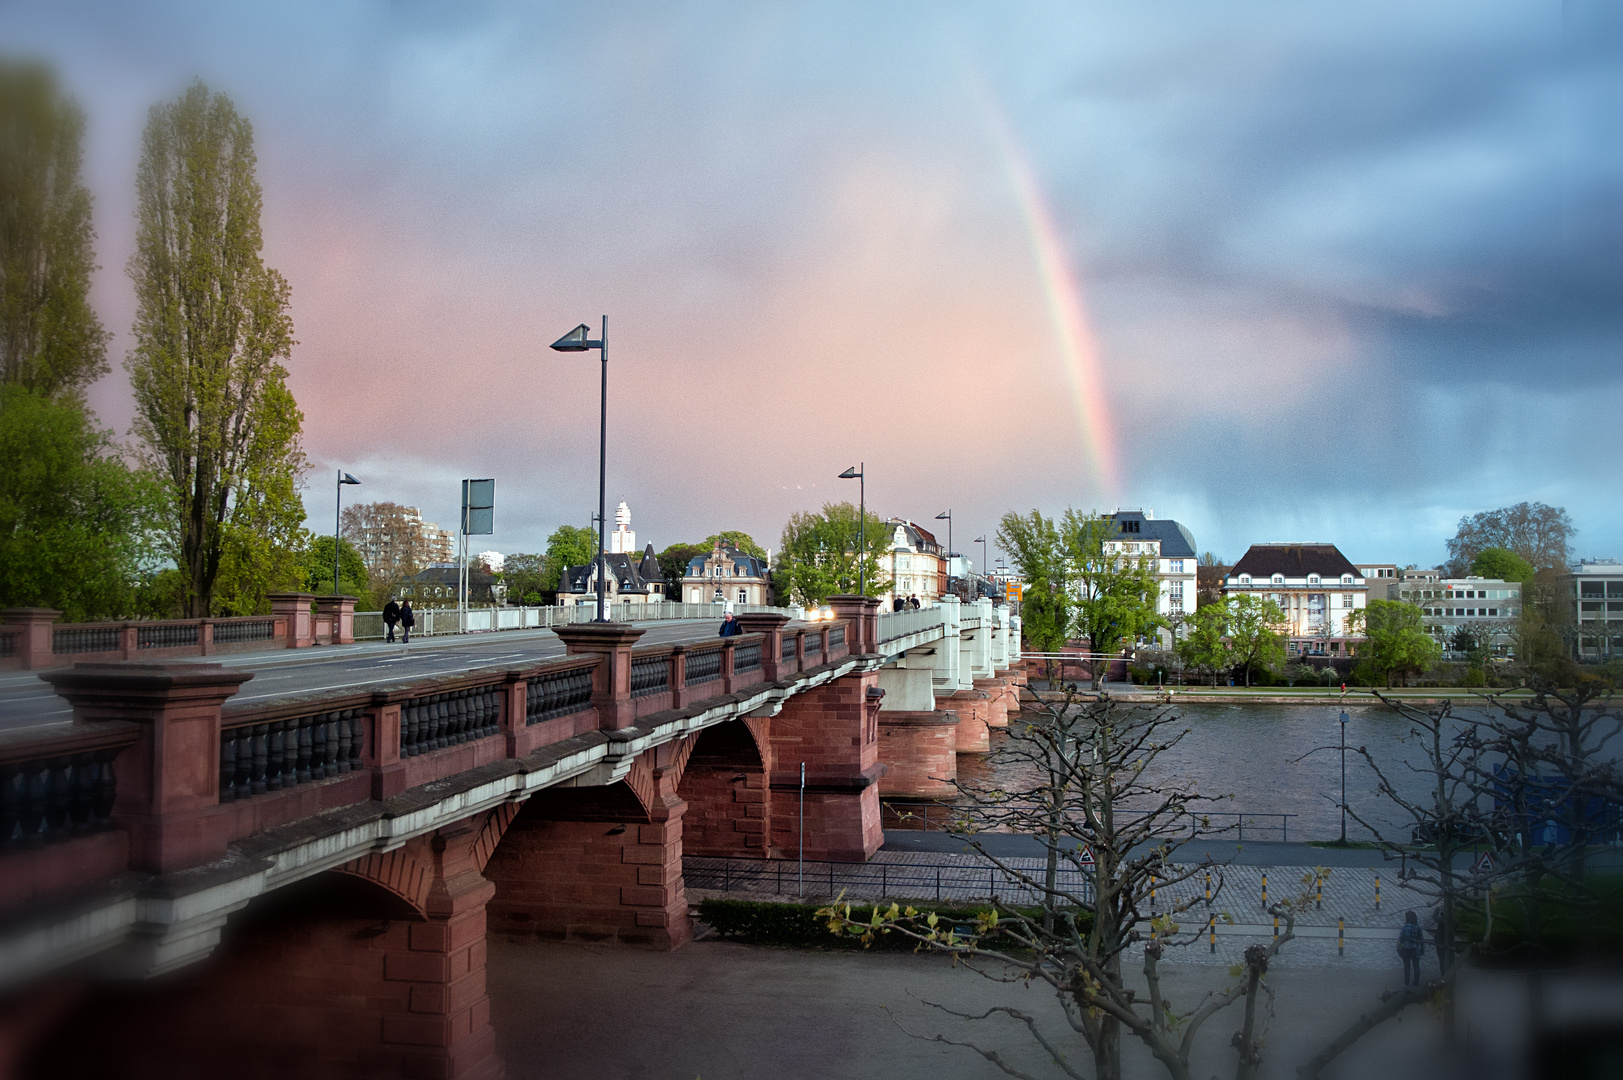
(1175, 566)
(1279, 579)
(1129, 526)
(1245, 579)
(743, 596)
(1313, 579)
(1347, 600)
(1175, 591)
(1346, 579)
(1593, 588)
(1132, 549)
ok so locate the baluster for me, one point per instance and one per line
(320, 752)
(408, 729)
(228, 765)
(59, 795)
(11, 798)
(261, 755)
(83, 798)
(458, 732)
(356, 739)
(493, 714)
(275, 750)
(333, 731)
(442, 717)
(101, 807)
(35, 780)
(301, 735)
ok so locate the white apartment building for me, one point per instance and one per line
(1138, 533)
(1315, 587)
(1487, 608)
(1597, 604)
(914, 563)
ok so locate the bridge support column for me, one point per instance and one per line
(974, 709)
(591, 864)
(997, 701)
(919, 752)
(834, 730)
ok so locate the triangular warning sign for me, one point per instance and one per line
(1087, 856)
(1484, 862)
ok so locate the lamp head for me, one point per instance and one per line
(945, 515)
(345, 478)
(577, 340)
(850, 474)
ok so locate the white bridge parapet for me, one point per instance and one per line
(956, 643)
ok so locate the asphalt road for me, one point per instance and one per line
(27, 702)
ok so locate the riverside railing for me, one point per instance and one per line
(896, 624)
(926, 816)
(961, 881)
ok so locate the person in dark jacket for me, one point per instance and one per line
(913, 602)
(408, 619)
(391, 616)
(1411, 947)
(730, 627)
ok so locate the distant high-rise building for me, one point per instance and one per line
(623, 540)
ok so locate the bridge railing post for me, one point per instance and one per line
(679, 676)
(769, 624)
(611, 681)
(295, 609)
(340, 611)
(861, 614)
(33, 644)
(168, 782)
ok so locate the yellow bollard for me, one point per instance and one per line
(1211, 923)
(1265, 890)
(1152, 892)
(1276, 926)
(1377, 892)
(1341, 937)
(1208, 888)
(1318, 893)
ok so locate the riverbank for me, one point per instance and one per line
(1277, 695)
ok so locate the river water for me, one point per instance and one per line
(1265, 758)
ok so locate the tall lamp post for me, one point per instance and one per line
(337, 524)
(579, 340)
(946, 515)
(981, 540)
(859, 474)
(1343, 777)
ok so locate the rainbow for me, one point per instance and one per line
(1073, 332)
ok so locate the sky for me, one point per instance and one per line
(1281, 271)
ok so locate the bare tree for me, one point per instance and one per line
(1096, 796)
(390, 539)
(1538, 533)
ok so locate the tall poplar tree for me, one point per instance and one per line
(214, 413)
(51, 342)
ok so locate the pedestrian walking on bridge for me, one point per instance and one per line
(391, 616)
(1411, 947)
(730, 627)
(408, 619)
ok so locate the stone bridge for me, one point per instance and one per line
(198, 877)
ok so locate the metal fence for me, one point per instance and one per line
(938, 881)
(895, 624)
(928, 816)
(433, 622)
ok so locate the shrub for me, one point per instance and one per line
(755, 922)
(1588, 924)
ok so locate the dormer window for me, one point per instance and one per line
(1346, 579)
(1245, 579)
(1279, 579)
(1313, 579)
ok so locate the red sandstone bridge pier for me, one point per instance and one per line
(287, 861)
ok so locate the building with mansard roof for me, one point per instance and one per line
(1140, 534)
(726, 576)
(630, 580)
(916, 564)
(1316, 588)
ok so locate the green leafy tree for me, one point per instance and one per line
(315, 564)
(524, 574)
(825, 553)
(1114, 593)
(1397, 641)
(1256, 643)
(1205, 646)
(75, 522)
(1034, 547)
(673, 565)
(736, 540)
(213, 412)
(1502, 564)
(569, 545)
(51, 341)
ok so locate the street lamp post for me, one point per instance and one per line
(579, 340)
(860, 475)
(1344, 777)
(337, 524)
(981, 540)
(946, 515)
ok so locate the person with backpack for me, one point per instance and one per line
(391, 616)
(408, 619)
(1411, 947)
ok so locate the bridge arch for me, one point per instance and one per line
(725, 784)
